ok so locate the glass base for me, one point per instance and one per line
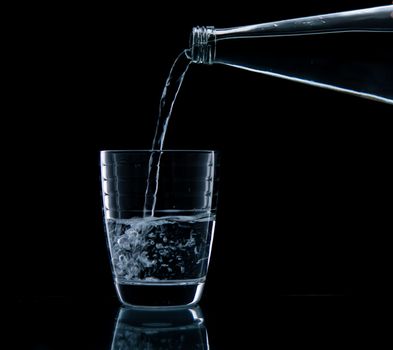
(160, 295)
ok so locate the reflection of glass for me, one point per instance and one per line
(139, 329)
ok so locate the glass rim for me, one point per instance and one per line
(157, 150)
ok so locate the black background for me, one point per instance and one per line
(305, 171)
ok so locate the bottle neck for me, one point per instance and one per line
(203, 45)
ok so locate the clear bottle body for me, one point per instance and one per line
(349, 52)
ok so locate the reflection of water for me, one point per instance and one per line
(138, 329)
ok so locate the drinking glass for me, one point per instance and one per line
(159, 211)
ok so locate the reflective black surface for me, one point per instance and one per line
(63, 323)
(66, 323)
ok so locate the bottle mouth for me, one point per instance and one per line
(203, 45)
